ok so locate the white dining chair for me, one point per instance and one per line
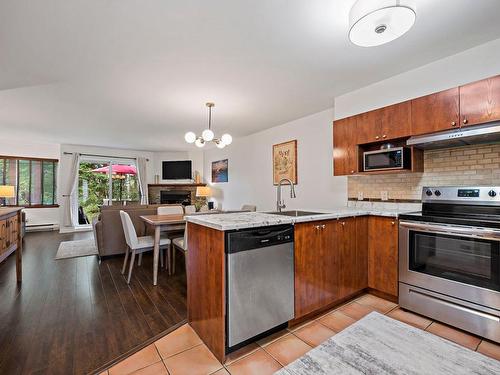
(249, 207)
(137, 245)
(170, 210)
(180, 244)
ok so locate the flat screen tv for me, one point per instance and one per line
(176, 170)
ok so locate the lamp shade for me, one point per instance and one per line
(7, 191)
(202, 191)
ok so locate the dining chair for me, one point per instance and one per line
(137, 245)
(249, 207)
(190, 209)
(180, 244)
(174, 230)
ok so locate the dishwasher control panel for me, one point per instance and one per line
(258, 237)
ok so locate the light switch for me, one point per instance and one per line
(384, 195)
(360, 196)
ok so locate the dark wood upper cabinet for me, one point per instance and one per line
(435, 112)
(386, 123)
(345, 156)
(383, 254)
(395, 121)
(368, 126)
(480, 102)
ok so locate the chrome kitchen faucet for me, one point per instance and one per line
(280, 204)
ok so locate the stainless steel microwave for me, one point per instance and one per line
(391, 158)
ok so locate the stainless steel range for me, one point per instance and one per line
(449, 258)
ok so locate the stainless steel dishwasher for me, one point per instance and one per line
(260, 282)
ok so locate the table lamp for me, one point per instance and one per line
(7, 191)
(201, 192)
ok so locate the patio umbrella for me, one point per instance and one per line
(118, 171)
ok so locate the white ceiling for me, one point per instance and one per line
(137, 73)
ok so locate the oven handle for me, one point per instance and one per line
(471, 232)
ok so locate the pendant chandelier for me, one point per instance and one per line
(208, 135)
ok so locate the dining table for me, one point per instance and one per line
(161, 223)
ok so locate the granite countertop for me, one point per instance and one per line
(242, 220)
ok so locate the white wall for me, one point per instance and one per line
(465, 67)
(196, 156)
(24, 148)
(251, 173)
(250, 167)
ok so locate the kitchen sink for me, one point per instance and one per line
(295, 213)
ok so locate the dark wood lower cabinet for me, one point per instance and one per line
(330, 262)
(383, 254)
(316, 258)
(335, 259)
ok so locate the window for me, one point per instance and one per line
(34, 180)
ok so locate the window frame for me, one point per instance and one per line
(54, 163)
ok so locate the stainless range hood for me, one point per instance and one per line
(472, 135)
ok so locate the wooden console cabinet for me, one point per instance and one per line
(11, 236)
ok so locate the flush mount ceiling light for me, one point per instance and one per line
(208, 135)
(376, 22)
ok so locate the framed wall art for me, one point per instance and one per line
(285, 161)
(220, 171)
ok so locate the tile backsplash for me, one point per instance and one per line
(460, 166)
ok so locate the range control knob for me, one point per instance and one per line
(492, 193)
(437, 193)
(428, 193)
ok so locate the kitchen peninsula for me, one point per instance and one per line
(327, 257)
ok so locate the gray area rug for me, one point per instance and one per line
(378, 344)
(75, 249)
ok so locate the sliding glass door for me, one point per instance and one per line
(103, 182)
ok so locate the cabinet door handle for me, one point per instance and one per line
(317, 227)
(453, 123)
(377, 137)
(465, 121)
(384, 136)
(342, 223)
(323, 226)
(393, 222)
(352, 171)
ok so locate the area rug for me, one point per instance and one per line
(75, 249)
(378, 344)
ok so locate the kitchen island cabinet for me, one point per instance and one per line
(337, 255)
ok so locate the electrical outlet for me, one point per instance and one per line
(384, 195)
(360, 196)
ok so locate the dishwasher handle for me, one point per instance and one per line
(258, 238)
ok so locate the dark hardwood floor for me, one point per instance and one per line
(75, 315)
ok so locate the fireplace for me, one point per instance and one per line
(175, 197)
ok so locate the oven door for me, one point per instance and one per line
(458, 261)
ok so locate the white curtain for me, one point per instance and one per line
(142, 178)
(71, 196)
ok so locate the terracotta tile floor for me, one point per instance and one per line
(182, 352)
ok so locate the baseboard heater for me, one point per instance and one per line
(41, 227)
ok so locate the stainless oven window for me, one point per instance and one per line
(468, 260)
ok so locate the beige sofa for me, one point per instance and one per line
(109, 231)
